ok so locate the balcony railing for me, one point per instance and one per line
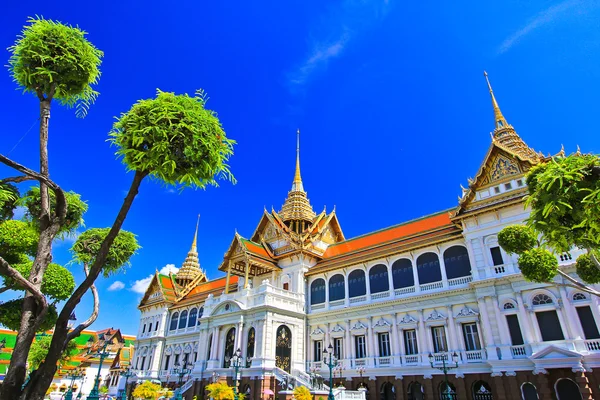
(431, 286)
(358, 299)
(463, 280)
(380, 295)
(518, 351)
(406, 290)
(384, 361)
(592, 345)
(474, 356)
(410, 359)
(337, 303)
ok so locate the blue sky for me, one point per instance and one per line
(390, 99)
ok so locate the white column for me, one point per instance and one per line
(368, 284)
(395, 342)
(487, 328)
(239, 334)
(423, 342)
(527, 325)
(350, 343)
(471, 252)
(415, 275)
(443, 270)
(452, 328)
(327, 337)
(347, 295)
(370, 341)
(572, 320)
(391, 281)
(326, 291)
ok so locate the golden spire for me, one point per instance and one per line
(194, 248)
(499, 118)
(297, 184)
(190, 269)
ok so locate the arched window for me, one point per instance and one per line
(200, 312)
(428, 267)
(509, 306)
(402, 274)
(317, 291)
(174, 319)
(337, 291)
(541, 299)
(229, 347)
(579, 296)
(529, 392)
(456, 260)
(250, 347)
(183, 319)
(283, 348)
(415, 391)
(193, 318)
(447, 392)
(482, 391)
(378, 279)
(566, 389)
(208, 349)
(356, 283)
(388, 392)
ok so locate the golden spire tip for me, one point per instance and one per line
(194, 242)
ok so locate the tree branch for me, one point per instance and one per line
(7, 270)
(29, 172)
(5, 288)
(17, 179)
(77, 331)
(576, 284)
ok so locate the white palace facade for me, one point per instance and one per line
(384, 301)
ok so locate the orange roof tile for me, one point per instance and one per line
(395, 232)
(256, 248)
(203, 289)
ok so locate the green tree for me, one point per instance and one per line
(147, 391)
(103, 389)
(302, 393)
(172, 138)
(220, 391)
(564, 196)
(39, 350)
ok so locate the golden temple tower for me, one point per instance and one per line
(190, 269)
(296, 211)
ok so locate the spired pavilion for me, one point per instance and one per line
(394, 306)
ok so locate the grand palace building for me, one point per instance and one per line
(389, 304)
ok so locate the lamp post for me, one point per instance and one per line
(236, 363)
(331, 362)
(127, 373)
(101, 353)
(181, 371)
(74, 376)
(361, 370)
(447, 395)
(215, 377)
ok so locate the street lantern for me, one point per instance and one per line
(102, 353)
(447, 394)
(330, 362)
(127, 373)
(181, 371)
(236, 363)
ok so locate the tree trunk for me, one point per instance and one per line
(30, 318)
(38, 385)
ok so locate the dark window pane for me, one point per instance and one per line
(317, 291)
(529, 392)
(496, 255)
(378, 279)
(174, 319)
(428, 268)
(549, 326)
(356, 283)
(402, 274)
(588, 323)
(457, 262)
(515, 330)
(183, 319)
(337, 290)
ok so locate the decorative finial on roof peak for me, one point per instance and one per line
(297, 184)
(194, 242)
(500, 121)
(578, 152)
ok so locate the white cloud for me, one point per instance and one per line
(549, 15)
(116, 285)
(141, 285)
(334, 32)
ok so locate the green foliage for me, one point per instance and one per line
(53, 57)
(587, 270)
(220, 391)
(103, 389)
(39, 349)
(517, 239)
(147, 391)
(57, 283)
(175, 139)
(9, 195)
(302, 393)
(87, 246)
(75, 209)
(564, 196)
(11, 311)
(538, 265)
(17, 238)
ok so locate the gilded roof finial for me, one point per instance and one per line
(499, 118)
(297, 184)
(194, 242)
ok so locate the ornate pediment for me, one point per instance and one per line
(317, 331)
(187, 348)
(382, 323)
(357, 326)
(408, 319)
(466, 312)
(435, 316)
(226, 308)
(337, 328)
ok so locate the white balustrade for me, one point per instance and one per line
(463, 280)
(358, 299)
(518, 351)
(380, 295)
(337, 303)
(399, 292)
(410, 359)
(384, 361)
(431, 286)
(593, 345)
(474, 356)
